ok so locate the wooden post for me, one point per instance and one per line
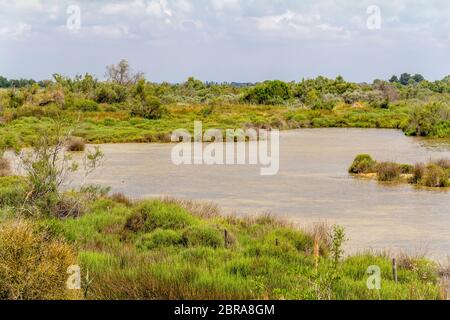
(394, 270)
(225, 236)
(316, 252)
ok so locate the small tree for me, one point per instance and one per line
(48, 166)
(122, 73)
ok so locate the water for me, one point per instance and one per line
(312, 186)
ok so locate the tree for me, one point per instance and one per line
(47, 166)
(404, 78)
(394, 79)
(4, 83)
(122, 73)
(418, 78)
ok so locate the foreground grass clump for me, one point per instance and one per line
(435, 174)
(33, 264)
(388, 171)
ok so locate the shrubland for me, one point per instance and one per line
(128, 108)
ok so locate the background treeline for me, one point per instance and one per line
(419, 107)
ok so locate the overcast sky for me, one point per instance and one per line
(226, 40)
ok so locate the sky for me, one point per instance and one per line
(226, 40)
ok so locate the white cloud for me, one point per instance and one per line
(16, 31)
(293, 24)
(226, 5)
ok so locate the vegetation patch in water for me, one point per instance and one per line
(435, 174)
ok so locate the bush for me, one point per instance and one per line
(151, 108)
(5, 167)
(388, 171)
(269, 92)
(435, 176)
(363, 163)
(203, 236)
(33, 265)
(160, 238)
(86, 105)
(75, 144)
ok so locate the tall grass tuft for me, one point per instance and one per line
(435, 176)
(388, 171)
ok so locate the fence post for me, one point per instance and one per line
(225, 236)
(394, 270)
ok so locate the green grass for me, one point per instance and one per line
(120, 127)
(185, 257)
(168, 249)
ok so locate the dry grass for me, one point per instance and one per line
(443, 162)
(33, 265)
(75, 144)
(435, 176)
(204, 210)
(121, 198)
(5, 167)
(388, 171)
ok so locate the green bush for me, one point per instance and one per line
(269, 92)
(160, 238)
(86, 105)
(204, 236)
(363, 163)
(388, 171)
(151, 108)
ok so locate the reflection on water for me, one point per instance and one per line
(312, 185)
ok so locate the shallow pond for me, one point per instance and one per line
(312, 186)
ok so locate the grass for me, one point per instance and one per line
(169, 249)
(121, 127)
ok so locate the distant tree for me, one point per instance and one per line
(122, 73)
(4, 83)
(394, 79)
(418, 78)
(404, 78)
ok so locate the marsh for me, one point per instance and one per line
(312, 186)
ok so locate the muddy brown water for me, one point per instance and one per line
(312, 186)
